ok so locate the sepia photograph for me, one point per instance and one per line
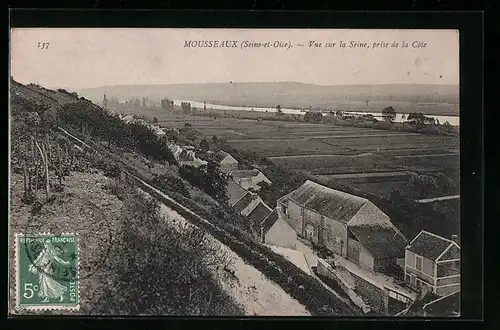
(234, 172)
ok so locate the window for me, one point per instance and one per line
(407, 278)
(322, 221)
(418, 263)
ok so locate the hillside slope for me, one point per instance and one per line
(86, 191)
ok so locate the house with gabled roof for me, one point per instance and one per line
(234, 192)
(226, 162)
(432, 263)
(249, 179)
(448, 305)
(260, 212)
(347, 225)
(245, 202)
(274, 230)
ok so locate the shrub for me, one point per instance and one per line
(157, 268)
(171, 183)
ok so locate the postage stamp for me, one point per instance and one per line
(47, 271)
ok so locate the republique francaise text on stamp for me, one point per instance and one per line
(47, 271)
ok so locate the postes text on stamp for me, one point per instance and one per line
(47, 271)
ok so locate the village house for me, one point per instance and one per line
(347, 225)
(127, 118)
(448, 305)
(226, 162)
(160, 132)
(234, 192)
(248, 204)
(432, 263)
(274, 230)
(185, 156)
(249, 179)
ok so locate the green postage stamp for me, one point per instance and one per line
(47, 271)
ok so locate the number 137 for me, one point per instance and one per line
(43, 45)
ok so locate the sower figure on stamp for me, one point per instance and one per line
(43, 265)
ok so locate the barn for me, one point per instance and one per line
(347, 225)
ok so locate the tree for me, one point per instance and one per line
(279, 112)
(389, 114)
(186, 107)
(419, 119)
(313, 117)
(155, 120)
(215, 139)
(204, 145)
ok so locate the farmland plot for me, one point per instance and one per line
(285, 147)
(339, 164)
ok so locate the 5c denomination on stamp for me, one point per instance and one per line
(47, 271)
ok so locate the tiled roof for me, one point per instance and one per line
(244, 202)
(326, 201)
(245, 173)
(234, 192)
(221, 155)
(381, 240)
(259, 213)
(445, 306)
(429, 245)
(269, 221)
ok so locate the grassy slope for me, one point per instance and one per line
(84, 206)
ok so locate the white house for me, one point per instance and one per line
(227, 163)
(185, 156)
(249, 179)
(432, 263)
(128, 118)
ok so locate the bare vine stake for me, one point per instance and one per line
(32, 161)
(48, 153)
(45, 166)
(59, 164)
(25, 177)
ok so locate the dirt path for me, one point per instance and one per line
(257, 294)
(437, 199)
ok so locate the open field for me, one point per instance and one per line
(326, 150)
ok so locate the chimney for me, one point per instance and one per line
(454, 238)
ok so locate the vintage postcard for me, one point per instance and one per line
(234, 172)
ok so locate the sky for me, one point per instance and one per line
(79, 58)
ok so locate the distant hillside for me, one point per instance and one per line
(294, 95)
